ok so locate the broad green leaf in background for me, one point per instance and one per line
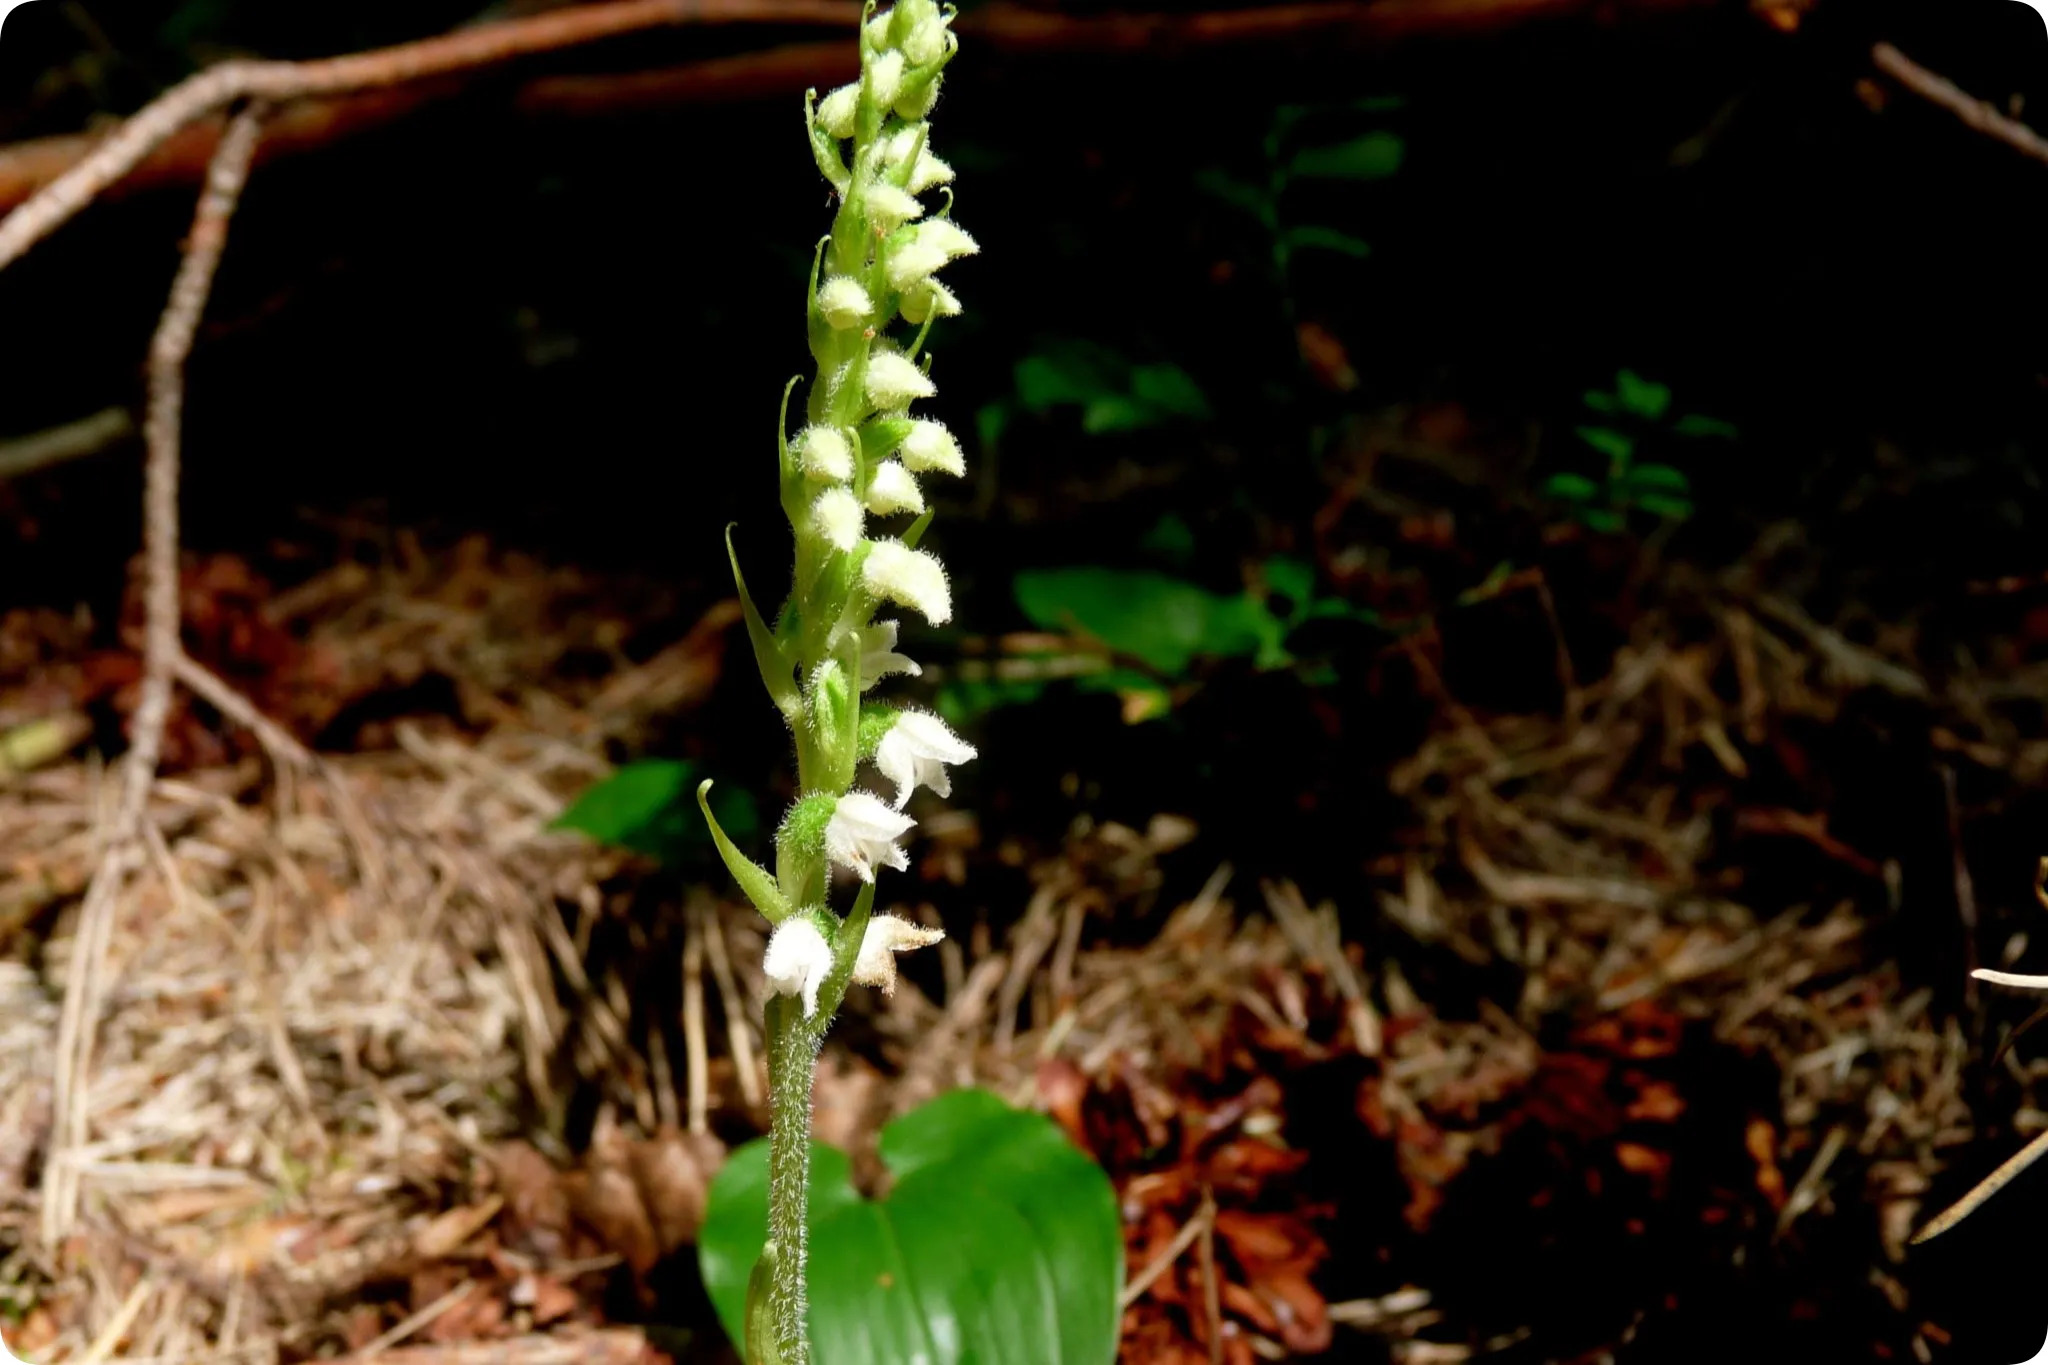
(1163, 622)
(1692, 424)
(999, 1243)
(1661, 477)
(1374, 156)
(1170, 389)
(650, 807)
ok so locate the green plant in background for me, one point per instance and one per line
(1142, 631)
(648, 807)
(1368, 156)
(1626, 419)
(1111, 392)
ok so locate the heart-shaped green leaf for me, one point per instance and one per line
(999, 1244)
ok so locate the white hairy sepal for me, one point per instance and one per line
(878, 656)
(929, 446)
(886, 936)
(913, 578)
(837, 516)
(862, 835)
(837, 110)
(926, 41)
(798, 959)
(928, 171)
(892, 490)
(893, 381)
(843, 303)
(888, 207)
(915, 752)
(928, 298)
(825, 453)
(926, 248)
(885, 77)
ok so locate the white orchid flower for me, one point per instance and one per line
(862, 835)
(915, 752)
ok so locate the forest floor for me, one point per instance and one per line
(1634, 1062)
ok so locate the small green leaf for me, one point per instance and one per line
(999, 1243)
(1291, 578)
(1312, 238)
(1692, 424)
(1603, 519)
(1375, 156)
(1613, 444)
(1066, 375)
(1169, 387)
(776, 673)
(1657, 476)
(915, 532)
(1114, 412)
(1170, 538)
(1661, 505)
(961, 700)
(1249, 198)
(1642, 396)
(1571, 487)
(754, 881)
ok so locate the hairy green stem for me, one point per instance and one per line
(792, 1066)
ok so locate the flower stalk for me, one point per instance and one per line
(851, 468)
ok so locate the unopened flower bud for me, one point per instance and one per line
(930, 446)
(836, 111)
(917, 97)
(843, 302)
(929, 299)
(885, 75)
(928, 172)
(893, 381)
(926, 41)
(892, 490)
(914, 578)
(837, 516)
(888, 207)
(823, 453)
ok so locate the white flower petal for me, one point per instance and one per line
(913, 578)
(892, 490)
(878, 656)
(930, 446)
(862, 835)
(886, 936)
(947, 236)
(915, 752)
(837, 516)
(798, 960)
(912, 262)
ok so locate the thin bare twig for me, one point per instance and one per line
(1975, 113)
(72, 441)
(1204, 1219)
(161, 651)
(230, 83)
